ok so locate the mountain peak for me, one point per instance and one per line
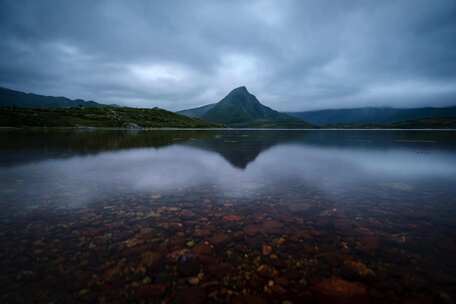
(241, 89)
(240, 95)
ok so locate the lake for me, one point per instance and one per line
(227, 216)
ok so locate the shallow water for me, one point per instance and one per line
(228, 216)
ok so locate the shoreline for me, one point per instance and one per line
(222, 129)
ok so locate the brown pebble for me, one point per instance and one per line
(266, 249)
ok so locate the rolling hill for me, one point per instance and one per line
(101, 117)
(18, 109)
(372, 115)
(12, 98)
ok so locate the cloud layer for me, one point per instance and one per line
(294, 55)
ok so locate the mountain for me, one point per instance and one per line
(242, 109)
(372, 115)
(12, 98)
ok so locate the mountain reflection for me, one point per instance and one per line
(77, 168)
(237, 147)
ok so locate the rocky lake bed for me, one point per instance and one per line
(272, 237)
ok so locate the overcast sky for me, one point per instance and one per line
(293, 55)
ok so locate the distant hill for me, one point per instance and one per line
(423, 123)
(18, 109)
(242, 109)
(11, 98)
(107, 117)
(372, 115)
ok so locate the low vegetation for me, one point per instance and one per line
(108, 117)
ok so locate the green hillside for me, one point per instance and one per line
(110, 117)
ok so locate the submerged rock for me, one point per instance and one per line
(231, 218)
(338, 291)
(272, 226)
(266, 249)
(186, 213)
(368, 241)
(202, 249)
(188, 266)
(357, 269)
(267, 227)
(201, 232)
(252, 230)
(218, 238)
(151, 259)
(194, 280)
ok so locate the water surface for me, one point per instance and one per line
(228, 216)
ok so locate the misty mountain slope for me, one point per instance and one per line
(242, 109)
(10, 98)
(372, 115)
(196, 112)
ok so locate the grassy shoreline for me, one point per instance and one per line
(123, 118)
(103, 117)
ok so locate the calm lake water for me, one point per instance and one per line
(227, 216)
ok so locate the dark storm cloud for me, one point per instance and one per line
(294, 55)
